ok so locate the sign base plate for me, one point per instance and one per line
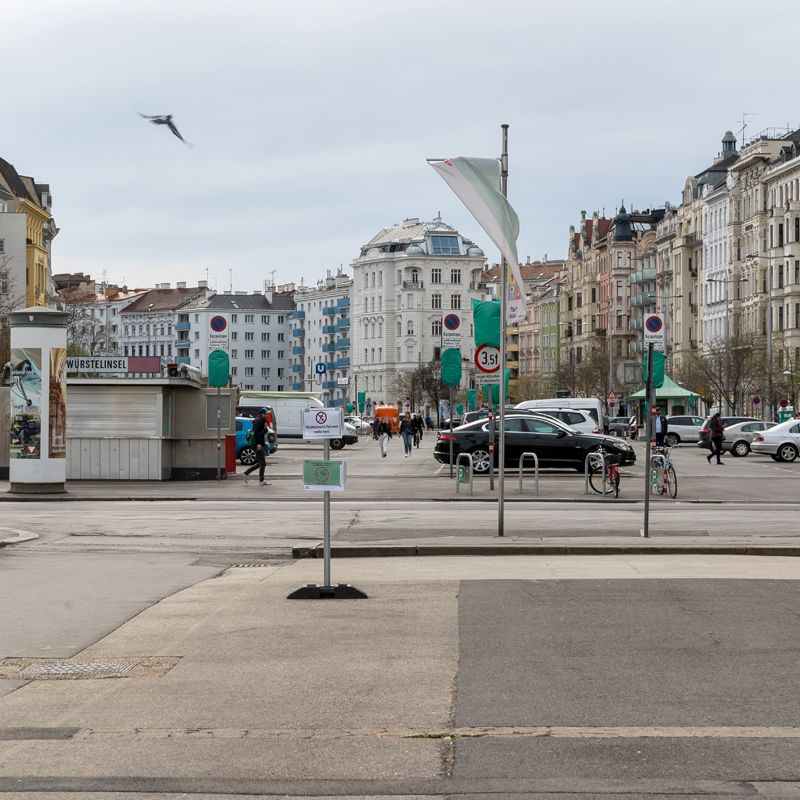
(313, 591)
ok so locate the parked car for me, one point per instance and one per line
(623, 426)
(556, 444)
(705, 433)
(245, 452)
(590, 404)
(740, 436)
(683, 428)
(781, 442)
(359, 424)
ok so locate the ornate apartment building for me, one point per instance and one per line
(404, 280)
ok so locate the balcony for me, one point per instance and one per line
(183, 359)
(342, 344)
(329, 384)
(298, 350)
(337, 401)
(297, 387)
(328, 347)
(297, 367)
(600, 332)
(183, 344)
(182, 326)
(341, 363)
(328, 329)
(413, 285)
(343, 325)
(329, 311)
(636, 324)
(299, 333)
(512, 347)
(343, 302)
(299, 314)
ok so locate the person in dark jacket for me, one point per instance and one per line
(384, 434)
(717, 429)
(407, 434)
(660, 427)
(260, 444)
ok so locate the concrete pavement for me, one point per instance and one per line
(643, 676)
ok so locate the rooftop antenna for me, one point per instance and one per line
(745, 115)
(272, 272)
(230, 281)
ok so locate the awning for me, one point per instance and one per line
(668, 391)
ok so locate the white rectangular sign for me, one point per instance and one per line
(488, 379)
(322, 423)
(97, 364)
(218, 333)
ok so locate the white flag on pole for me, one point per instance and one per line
(476, 182)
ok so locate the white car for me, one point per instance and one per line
(358, 424)
(683, 428)
(577, 419)
(781, 443)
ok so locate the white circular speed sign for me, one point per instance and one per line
(487, 359)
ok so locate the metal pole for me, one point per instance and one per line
(451, 432)
(649, 434)
(219, 434)
(501, 456)
(326, 523)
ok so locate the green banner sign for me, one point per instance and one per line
(218, 368)
(451, 367)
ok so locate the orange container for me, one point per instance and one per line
(390, 414)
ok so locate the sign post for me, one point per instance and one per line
(648, 445)
(218, 373)
(324, 476)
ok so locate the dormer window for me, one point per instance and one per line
(444, 245)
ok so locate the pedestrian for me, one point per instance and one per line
(419, 428)
(407, 432)
(384, 434)
(260, 444)
(429, 422)
(717, 428)
(376, 424)
(660, 424)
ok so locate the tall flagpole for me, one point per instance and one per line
(503, 304)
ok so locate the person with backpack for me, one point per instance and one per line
(717, 428)
(258, 435)
(384, 434)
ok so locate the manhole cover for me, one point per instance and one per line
(77, 670)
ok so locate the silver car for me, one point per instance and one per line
(683, 428)
(739, 437)
(781, 443)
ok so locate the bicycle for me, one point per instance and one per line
(612, 476)
(417, 437)
(663, 478)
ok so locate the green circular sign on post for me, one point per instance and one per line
(218, 368)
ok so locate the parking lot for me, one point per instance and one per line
(753, 479)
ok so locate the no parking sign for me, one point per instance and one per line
(654, 331)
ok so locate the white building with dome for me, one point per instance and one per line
(406, 279)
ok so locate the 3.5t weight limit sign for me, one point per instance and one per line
(487, 363)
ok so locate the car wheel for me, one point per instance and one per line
(337, 444)
(740, 449)
(480, 460)
(787, 452)
(672, 439)
(247, 456)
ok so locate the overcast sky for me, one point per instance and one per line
(311, 121)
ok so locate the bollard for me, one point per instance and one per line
(535, 470)
(468, 457)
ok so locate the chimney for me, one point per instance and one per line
(202, 284)
(180, 285)
(268, 296)
(583, 215)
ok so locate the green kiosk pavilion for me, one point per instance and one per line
(671, 398)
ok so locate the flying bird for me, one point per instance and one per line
(165, 119)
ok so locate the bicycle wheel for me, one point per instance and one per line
(596, 481)
(672, 482)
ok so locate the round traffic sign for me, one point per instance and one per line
(321, 417)
(654, 323)
(452, 322)
(218, 324)
(487, 359)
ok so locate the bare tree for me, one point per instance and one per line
(10, 299)
(423, 386)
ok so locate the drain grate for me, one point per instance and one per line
(70, 669)
(254, 564)
(64, 669)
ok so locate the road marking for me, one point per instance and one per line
(18, 536)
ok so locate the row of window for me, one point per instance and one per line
(249, 319)
(147, 330)
(265, 354)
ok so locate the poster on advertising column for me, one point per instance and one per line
(26, 402)
(57, 430)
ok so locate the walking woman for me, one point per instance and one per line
(384, 434)
(407, 432)
(717, 428)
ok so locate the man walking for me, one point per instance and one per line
(660, 423)
(260, 444)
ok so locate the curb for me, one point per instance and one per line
(390, 551)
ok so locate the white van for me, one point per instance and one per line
(288, 408)
(590, 404)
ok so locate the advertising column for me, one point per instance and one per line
(38, 401)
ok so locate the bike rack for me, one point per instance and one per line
(591, 459)
(468, 457)
(535, 470)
